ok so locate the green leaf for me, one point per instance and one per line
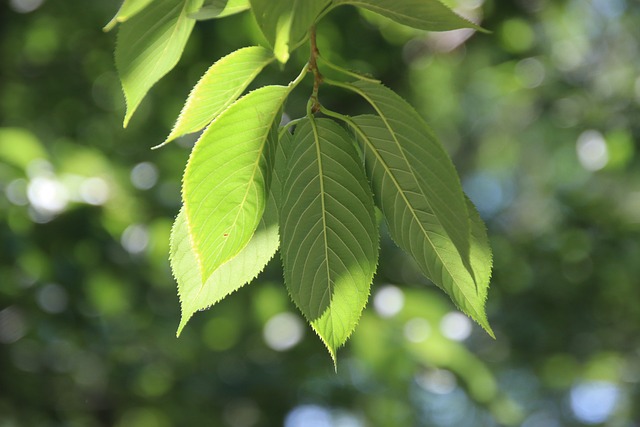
(424, 156)
(243, 268)
(329, 234)
(218, 88)
(216, 9)
(128, 9)
(430, 15)
(226, 181)
(149, 45)
(398, 179)
(285, 23)
(280, 168)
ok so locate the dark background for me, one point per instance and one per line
(541, 118)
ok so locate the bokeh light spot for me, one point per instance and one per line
(16, 192)
(455, 326)
(438, 381)
(594, 402)
(592, 150)
(52, 298)
(94, 191)
(388, 301)
(12, 325)
(530, 72)
(135, 239)
(283, 331)
(47, 195)
(25, 6)
(308, 416)
(144, 175)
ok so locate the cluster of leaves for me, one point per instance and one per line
(251, 186)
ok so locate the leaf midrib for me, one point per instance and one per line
(316, 139)
(413, 213)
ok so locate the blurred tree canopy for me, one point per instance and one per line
(541, 118)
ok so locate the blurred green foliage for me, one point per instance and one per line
(541, 117)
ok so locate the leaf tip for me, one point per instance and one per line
(183, 322)
(163, 143)
(127, 118)
(484, 323)
(110, 25)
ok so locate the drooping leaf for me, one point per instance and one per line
(430, 15)
(197, 295)
(150, 44)
(215, 9)
(227, 178)
(218, 88)
(399, 188)
(127, 10)
(284, 23)
(427, 160)
(329, 234)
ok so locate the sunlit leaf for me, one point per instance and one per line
(150, 44)
(215, 9)
(286, 22)
(219, 87)
(238, 271)
(227, 177)
(127, 10)
(430, 15)
(328, 228)
(400, 191)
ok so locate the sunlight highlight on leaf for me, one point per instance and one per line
(218, 88)
(285, 23)
(227, 178)
(328, 228)
(240, 270)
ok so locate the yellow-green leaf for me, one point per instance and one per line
(197, 295)
(128, 9)
(285, 23)
(218, 88)
(149, 45)
(216, 9)
(227, 178)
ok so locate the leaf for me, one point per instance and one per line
(226, 181)
(424, 156)
(218, 88)
(216, 9)
(243, 268)
(149, 45)
(285, 23)
(430, 15)
(399, 188)
(127, 10)
(280, 168)
(328, 231)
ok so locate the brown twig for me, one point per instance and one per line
(313, 67)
